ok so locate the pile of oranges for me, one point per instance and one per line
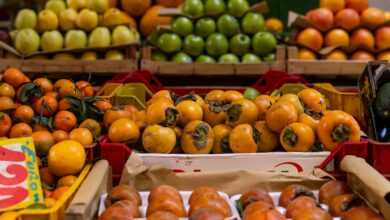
(354, 29)
(229, 122)
(47, 112)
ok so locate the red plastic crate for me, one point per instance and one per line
(380, 155)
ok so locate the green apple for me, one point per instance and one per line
(263, 43)
(182, 26)
(75, 39)
(193, 45)
(182, 58)
(238, 8)
(205, 26)
(217, 44)
(250, 58)
(228, 25)
(27, 41)
(51, 41)
(214, 7)
(100, 37)
(251, 93)
(240, 44)
(229, 59)
(169, 43)
(26, 18)
(252, 23)
(193, 8)
(270, 57)
(205, 59)
(158, 56)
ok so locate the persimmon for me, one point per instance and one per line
(20, 130)
(293, 99)
(129, 205)
(256, 206)
(271, 214)
(297, 137)
(158, 139)
(244, 139)
(161, 112)
(166, 204)
(280, 115)
(206, 213)
(268, 140)
(24, 113)
(15, 77)
(46, 105)
(166, 190)
(203, 191)
(231, 96)
(5, 124)
(218, 204)
(299, 204)
(313, 214)
(221, 139)
(6, 90)
(255, 195)
(241, 111)
(263, 103)
(312, 100)
(44, 84)
(189, 111)
(331, 189)
(311, 121)
(123, 130)
(215, 95)
(116, 212)
(123, 192)
(342, 203)
(336, 127)
(164, 94)
(292, 192)
(52, 94)
(361, 213)
(65, 120)
(112, 115)
(197, 138)
(213, 113)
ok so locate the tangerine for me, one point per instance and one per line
(382, 37)
(15, 77)
(65, 87)
(336, 38)
(44, 84)
(43, 141)
(5, 124)
(274, 25)
(310, 38)
(24, 113)
(66, 158)
(336, 55)
(135, 8)
(60, 135)
(93, 126)
(103, 105)
(321, 18)
(347, 19)
(65, 120)
(362, 38)
(81, 135)
(66, 181)
(85, 88)
(123, 130)
(59, 192)
(7, 90)
(333, 5)
(362, 55)
(382, 56)
(373, 17)
(357, 5)
(20, 130)
(46, 105)
(6, 103)
(39, 127)
(64, 104)
(52, 94)
(47, 177)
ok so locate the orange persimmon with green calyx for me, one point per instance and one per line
(189, 111)
(280, 115)
(163, 94)
(268, 140)
(214, 113)
(241, 111)
(215, 95)
(244, 139)
(221, 139)
(310, 120)
(163, 113)
(123, 130)
(336, 127)
(293, 99)
(263, 103)
(232, 95)
(158, 139)
(312, 100)
(297, 137)
(197, 138)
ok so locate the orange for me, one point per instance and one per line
(47, 177)
(5, 124)
(347, 19)
(43, 140)
(65, 120)
(66, 181)
(6, 103)
(24, 113)
(59, 192)
(60, 135)
(52, 94)
(333, 5)
(310, 38)
(81, 135)
(151, 20)
(357, 5)
(321, 18)
(382, 37)
(336, 38)
(65, 87)
(20, 130)
(15, 77)
(384, 56)
(49, 202)
(362, 38)
(64, 104)
(103, 105)
(274, 25)
(40, 127)
(135, 8)
(373, 17)
(7, 90)
(362, 55)
(85, 88)
(123, 130)
(44, 84)
(93, 126)
(66, 158)
(336, 55)
(46, 105)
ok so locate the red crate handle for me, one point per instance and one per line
(275, 79)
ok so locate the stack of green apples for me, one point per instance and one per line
(212, 31)
(75, 24)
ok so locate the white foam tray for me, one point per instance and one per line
(185, 195)
(275, 197)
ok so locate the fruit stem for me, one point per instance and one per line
(290, 137)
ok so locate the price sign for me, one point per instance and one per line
(20, 185)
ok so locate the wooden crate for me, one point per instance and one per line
(172, 68)
(322, 67)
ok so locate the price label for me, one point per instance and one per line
(20, 185)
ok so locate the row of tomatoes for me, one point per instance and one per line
(227, 121)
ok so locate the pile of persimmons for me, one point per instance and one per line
(61, 117)
(227, 122)
(354, 29)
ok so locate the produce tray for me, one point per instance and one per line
(275, 197)
(57, 212)
(172, 68)
(185, 196)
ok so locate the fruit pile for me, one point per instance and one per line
(62, 118)
(297, 202)
(228, 121)
(65, 26)
(357, 31)
(165, 202)
(212, 30)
